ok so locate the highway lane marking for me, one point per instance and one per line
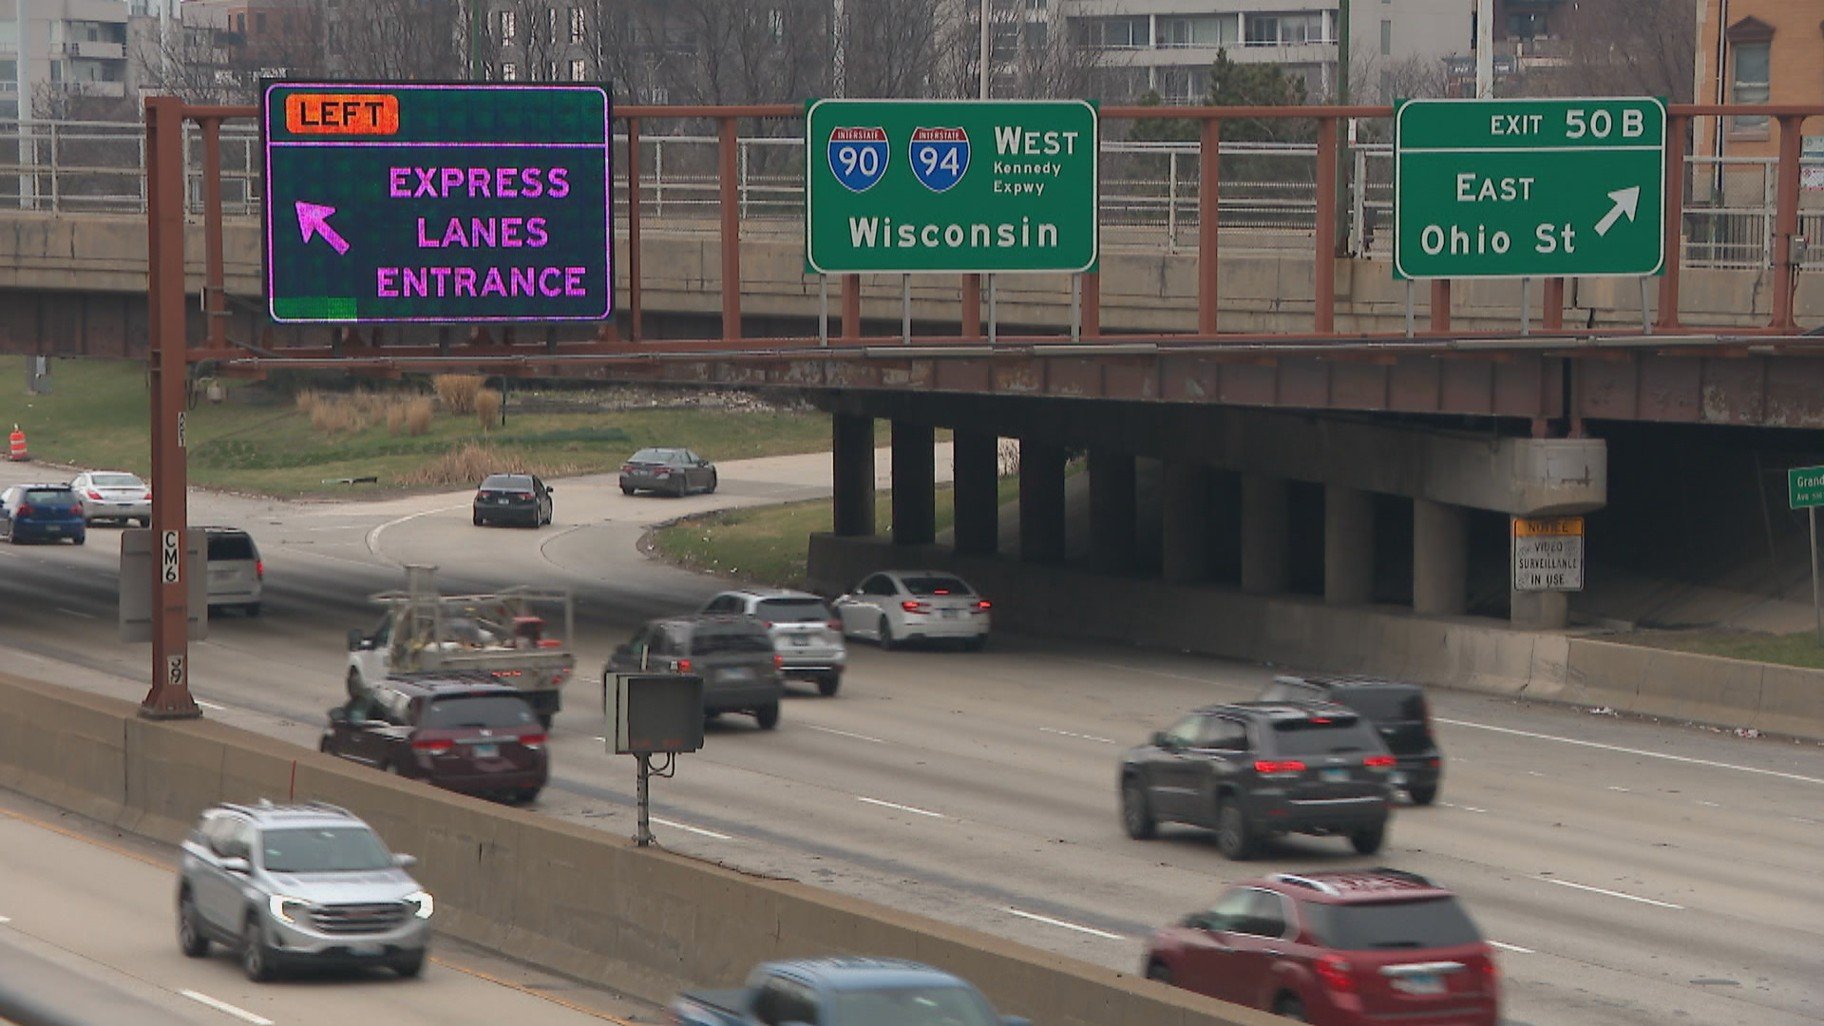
(1612, 894)
(222, 1006)
(1635, 751)
(1086, 737)
(4, 920)
(207, 705)
(845, 733)
(1465, 808)
(1623, 790)
(373, 536)
(695, 830)
(77, 612)
(902, 808)
(1712, 805)
(1515, 948)
(1047, 920)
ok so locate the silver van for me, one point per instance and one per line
(236, 572)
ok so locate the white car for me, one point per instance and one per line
(895, 606)
(806, 636)
(113, 495)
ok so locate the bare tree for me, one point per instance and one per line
(395, 39)
(206, 62)
(1629, 48)
(1030, 53)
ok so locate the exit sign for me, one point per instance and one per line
(394, 201)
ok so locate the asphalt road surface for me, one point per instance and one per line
(1630, 873)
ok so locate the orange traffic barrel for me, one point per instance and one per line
(16, 446)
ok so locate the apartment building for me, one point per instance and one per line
(1759, 51)
(53, 52)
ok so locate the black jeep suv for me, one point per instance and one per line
(1398, 711)
(1253, 769)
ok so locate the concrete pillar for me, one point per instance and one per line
(914, 484)
(978, 514)
(1348, 546)
(852, 473)
(1186, 555)
(1265, 535)
(1112, 519)
(1041, 502)
(1540, 610)
(1440, 558)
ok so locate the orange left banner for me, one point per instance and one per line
(342, 113)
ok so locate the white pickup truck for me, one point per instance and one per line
(501, 635)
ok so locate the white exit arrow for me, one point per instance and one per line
(1627, 201)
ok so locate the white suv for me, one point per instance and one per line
(806, 636)
(237, 574)
(292, 884)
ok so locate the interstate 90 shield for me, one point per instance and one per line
(939, 157)
(858, 157)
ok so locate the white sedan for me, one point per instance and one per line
(895, 606)
(113, 495)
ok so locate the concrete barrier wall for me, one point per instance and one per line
(1304, 633)
(643, 921)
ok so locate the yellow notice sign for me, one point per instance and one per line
(1548, 527)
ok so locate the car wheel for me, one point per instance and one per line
(767, 716)
(144, 521)
(711, 490)
(256, 958)
(355, 690)
(1423, 795)
(627, 489)
(478, 520)
(1159, 971)
(1136, 813)
(79, 539)
(828, 683)
(681, 490)
(190, 937)
(885, 630)
(410, 966)
(1234, 836)
(1289, 1007)
(1368, 840)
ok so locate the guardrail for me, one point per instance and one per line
(1268, 200)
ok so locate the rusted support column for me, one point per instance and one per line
(1440, 304)
(1209, 181)
(1323, 271)
(215, 302)
(972, 306)
(169, 697)
(851, 307)
(728, 173)
(1554, 304)
(1676, 127)
(1786, 223)
(634, 313)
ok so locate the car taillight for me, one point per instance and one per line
(628, 468)
(983, 605)
(480, 496)
(532, 741)
(778, 661)
(683, 666)
(522, 495)
(835, 625)
(1378, 762)
(259, 569)
(433, 747)
(498, 674)
(914, 606)
(1491, 973)
(1275, 767)
(1336, 974)
(25, 509)
(93, 494)
(76, 509)
(768, 624)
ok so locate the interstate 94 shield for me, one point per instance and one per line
(940, 157)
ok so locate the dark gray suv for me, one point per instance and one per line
(733, 654)
(1250, 770)
(1399, 712)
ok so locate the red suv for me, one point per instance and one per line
(1337, 949)
(472, 737)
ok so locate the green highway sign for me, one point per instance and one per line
(1529, 188)
(1805, 487)
(395, 201)
(950, 186)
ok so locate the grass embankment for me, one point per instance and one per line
(1785, 649)
(766, 545)
(97, 417)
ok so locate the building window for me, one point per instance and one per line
(509, 72)
(509, 25)
(578, 26)
(1749, 83)
(1526, 25)
(1197, 30)
(1112, 33)
(1284, 29)
(579, 69)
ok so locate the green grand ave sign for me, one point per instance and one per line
(1529, 188)
(1805, 487)
(950, 186)
(393, 201)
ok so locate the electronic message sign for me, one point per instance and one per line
(395, 201)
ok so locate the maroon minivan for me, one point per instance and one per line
(477, 738)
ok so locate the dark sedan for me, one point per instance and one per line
(674, 472)
(470, 737)
(513, 499)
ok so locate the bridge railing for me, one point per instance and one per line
(1150, 190)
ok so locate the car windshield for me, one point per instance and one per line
(936, 584)
(507, 483)
(1429, 923)
(230, 546)
(324, 850)
(910, 1006)
(50, 496)
(1312, 737)
(116, 481)
(478, 711)
(1386, 705)
(792, 610)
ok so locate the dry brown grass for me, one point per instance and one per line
(472, 461)
(418, 415)
(458, 391)
(487, 408)
(307, 401)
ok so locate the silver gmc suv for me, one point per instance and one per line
(292, 884)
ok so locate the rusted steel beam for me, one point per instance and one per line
(728, 172)
(635, 318)
(1323, 269)
(1786, 223)
(1676, 127)
(1209, 183)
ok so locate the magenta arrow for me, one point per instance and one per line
(313, 219)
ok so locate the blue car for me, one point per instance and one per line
(42, 512)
